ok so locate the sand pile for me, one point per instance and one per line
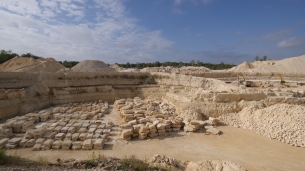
(92, 66)
(24, 64)
(288, 65)
(284, 122)
(116, 67)
(245, 66)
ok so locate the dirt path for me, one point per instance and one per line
(243, 147)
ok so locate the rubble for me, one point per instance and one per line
(283, 122)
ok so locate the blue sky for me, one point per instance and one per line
(154, 30)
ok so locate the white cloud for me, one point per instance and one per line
(177, 11)
(293, 42)
(178, 2)
(205, 2)
(278, 35)
(41, 27)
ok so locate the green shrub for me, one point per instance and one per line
(92, 158)
(132, 163)
(2, 154)
(43, 161)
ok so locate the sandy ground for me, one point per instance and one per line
(243, 147)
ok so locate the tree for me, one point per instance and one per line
(6, 55)
(192, 63)
(157, 64)
(264, 58)
(256, 58)
(29, 55)
(127, 65)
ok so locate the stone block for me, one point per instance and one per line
(68, 136)
(64, 129)
(14, 141)
(6, 133)
(54, 124)
(89, 136)
(57, 129)
(75, 136)
(91, 130)
(106, 131)
(77, 145)
(47, 144)
(4, 141)
(62, 123)
(37, 147)
(85, 125)
(87, 144)
(82, 136)
(71, 130)
(30, 143)
(83, 130)
(40, 141)
(57, 145)
(49, 135)
(60, 136)
(23, 142)
(99, 144)
(66, 145)
(213, 131)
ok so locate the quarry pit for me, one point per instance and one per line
(185, 116)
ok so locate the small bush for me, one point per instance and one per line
(132, 163)
(15, 159)
(43, 161)
(156, 76)
(92, 158)
(143, 77)
(2, 154)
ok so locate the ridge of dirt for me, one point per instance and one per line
(24, 64)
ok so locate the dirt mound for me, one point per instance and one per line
(245, 66)
(116, 67)
(92, 66)
(284, 122)
(24, 64)
(288, 65)
(214, 165)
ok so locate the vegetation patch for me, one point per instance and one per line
(157, 76)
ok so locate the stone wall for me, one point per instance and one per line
(17, 80)
(26, 92)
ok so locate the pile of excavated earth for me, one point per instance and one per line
(287, 65)
(92, 66)
(284, 122)
(73, 126)
(24, 64)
